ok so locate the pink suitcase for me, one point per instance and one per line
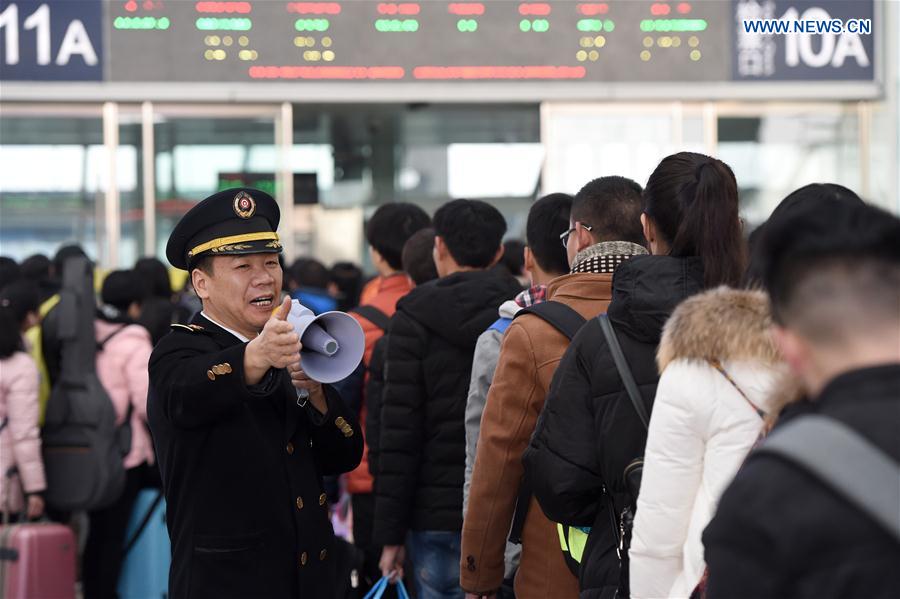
(37, 561)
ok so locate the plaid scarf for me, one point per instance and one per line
(605, 256)
(531, 296)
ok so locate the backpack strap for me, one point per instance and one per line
(718, 366)
(846, 462)
(523, 502)
(500, 325)
(373, 315)
(567, 321)
(561, 317)
(631, 387)
(102, 343)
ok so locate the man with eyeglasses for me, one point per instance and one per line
(604, 230)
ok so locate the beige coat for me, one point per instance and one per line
(530, 353)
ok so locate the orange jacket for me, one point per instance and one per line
(382, 293)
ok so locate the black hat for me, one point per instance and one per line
(241, 220)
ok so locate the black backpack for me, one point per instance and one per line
(82, 446)
(374, 387)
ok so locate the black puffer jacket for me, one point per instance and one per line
(374, 396)
(781, 532)
(589, 431)
(422, 458)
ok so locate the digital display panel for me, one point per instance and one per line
(432, 40)
(421, 41)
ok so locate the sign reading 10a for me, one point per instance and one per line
(51, 40)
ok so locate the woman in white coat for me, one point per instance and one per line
(719, 368)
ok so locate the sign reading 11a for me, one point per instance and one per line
(51, 40)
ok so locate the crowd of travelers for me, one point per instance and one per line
(642, 398)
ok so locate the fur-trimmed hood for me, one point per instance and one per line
(722, 324)
(787, 396)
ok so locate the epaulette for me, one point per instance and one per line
(190, 328)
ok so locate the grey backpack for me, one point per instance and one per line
(82, 446)
(846, 462)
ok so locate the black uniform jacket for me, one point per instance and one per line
(242, 471)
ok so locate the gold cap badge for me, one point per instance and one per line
(244, 205)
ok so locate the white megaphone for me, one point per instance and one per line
(333, 343)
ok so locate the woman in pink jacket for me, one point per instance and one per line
(122, 355)
(20, 441)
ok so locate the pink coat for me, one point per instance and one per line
(122, 369)
(20, 439)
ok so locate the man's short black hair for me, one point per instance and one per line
(349, 279)
(204, 264)
(833, 254)
(418, 256)
(391, 226)
(513, 258)
(612, 207)
(472, 231)
(547, 220)
(309, 272)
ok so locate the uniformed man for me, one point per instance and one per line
(241, 452)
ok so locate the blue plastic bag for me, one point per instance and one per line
(377, 591)
(145, 571)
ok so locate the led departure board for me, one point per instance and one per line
(159, 40)
(432, 40)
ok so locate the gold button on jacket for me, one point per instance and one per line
(299, 503)
(220, 369)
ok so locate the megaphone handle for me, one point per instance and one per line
(302, 397)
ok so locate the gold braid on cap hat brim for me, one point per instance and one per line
(223, 244)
